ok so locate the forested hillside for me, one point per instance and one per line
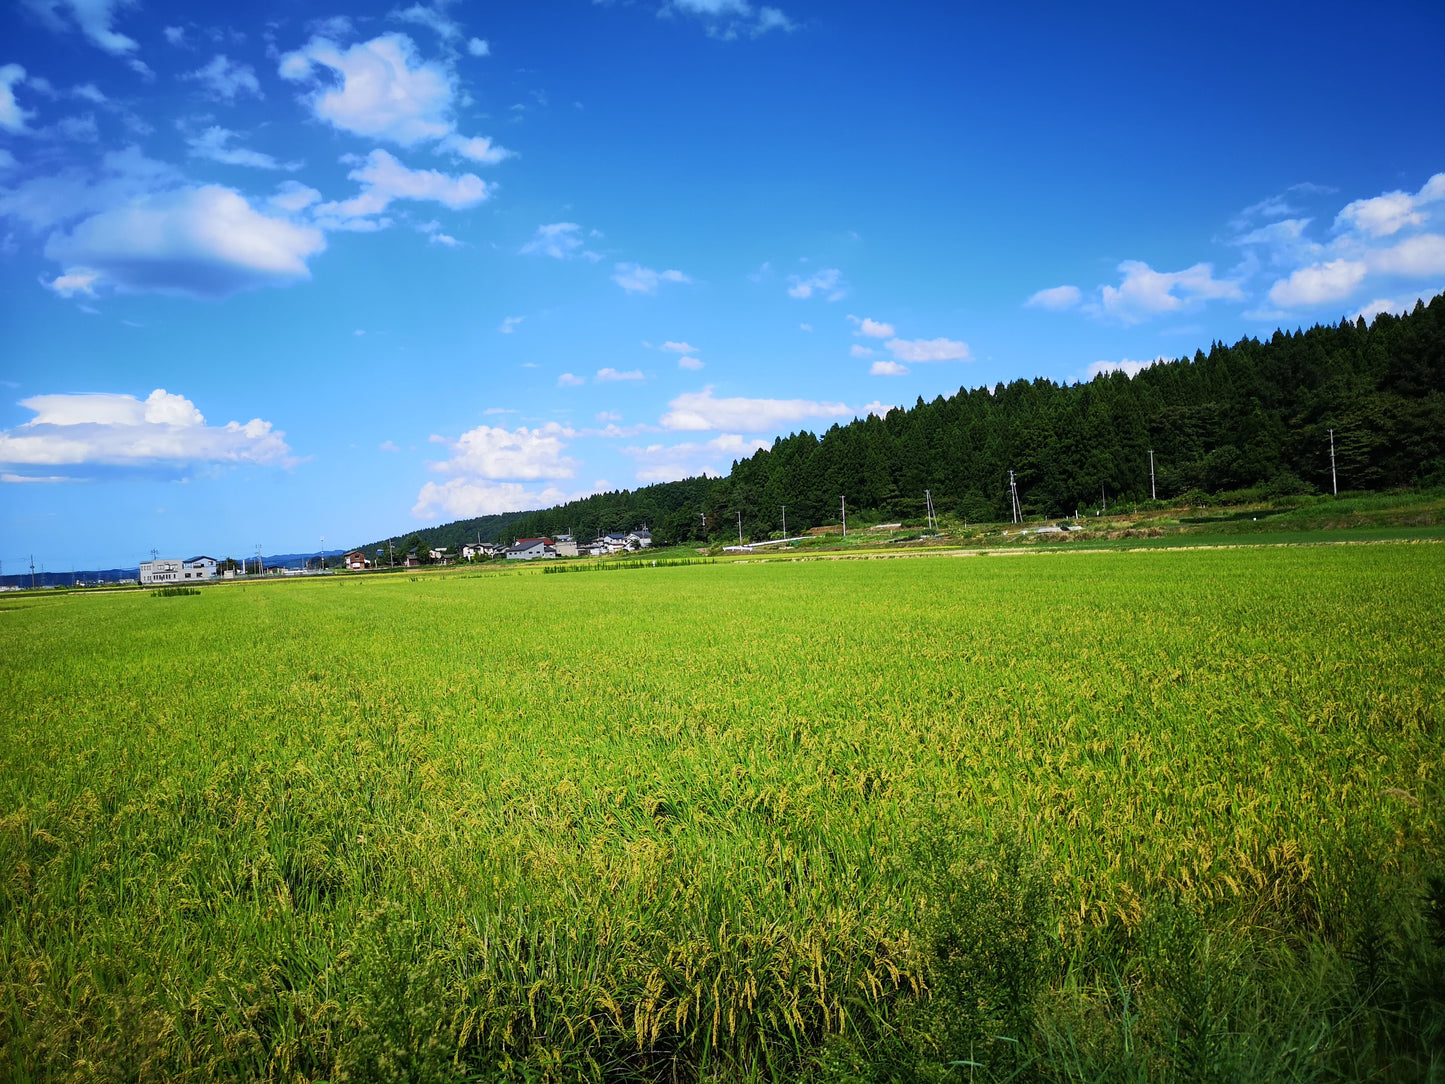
(1252, 415)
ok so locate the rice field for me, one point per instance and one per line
(1133, 816)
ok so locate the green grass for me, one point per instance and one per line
(1112, 816)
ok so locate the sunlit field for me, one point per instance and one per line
(1165, 815)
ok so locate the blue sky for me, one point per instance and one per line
(296, 271)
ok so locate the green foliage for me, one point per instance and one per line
(174, 592)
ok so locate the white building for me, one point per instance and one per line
(527, 549)
(200, 568)
(165, 570)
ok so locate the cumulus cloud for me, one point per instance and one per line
(509, 324)
(561, 241)
(225, 79)
(679, 348)
(479, 47)
(383, 179)
(491, 466)
(293, 196)
(609, 375)
(478, 149)
(669, 462)
(826, 283)
(887, 368)
(570, 380)
(1055, 298)
(926, 350)
(214, 145)
(203, 241)
(12, 117)
(382, 89)
(79, 280)
(123, 430)
(691, 364)
(859, 351)
(1144, 292)
(520, 454)
(873, 329)
(1387, 214)
(701, 410)
(94, 19)
(1318, 283)
(636, 279)
(878, 409)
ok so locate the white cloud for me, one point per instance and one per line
(462, 498)
(609, 415)
(561, 241)
(78, 280)
(873, 329)
(176, 35)
(1318, 283)
(925, 350)
(1129, 368)
(728, 20)
(700, 411)
(1394, 306)
(679, 348)
(89, 92)
(805, 327)
(1055, 298)
(1144, 292)
(225, 79)
(691, 364)
(668, 463)
(1413, 257)
(207, 241)
(636, 279)
(12, 117)
(293, 196)
(434, 234)
(610, 375)
(49, 479)
(124, 430)
(385, 91)
(213, 145)
(479, 47)
(383, 178)
(93, 17)
(509, 324)
(887, 368)
(859, 351)
(388, 446)
(1387, 214)
(520, 454)
(431, 17)
(570, 380)
(828, 283)
(878, 409)
(475, 148)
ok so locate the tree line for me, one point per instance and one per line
(1253, 416)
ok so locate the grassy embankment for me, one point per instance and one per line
(1140, 816)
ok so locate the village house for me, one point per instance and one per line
(164, 570)
(473, 550)
(356, 561)
(527, 549)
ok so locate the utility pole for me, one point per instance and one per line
(740, 527)
(260, 561)
(844, 502)
(928, 505)
(1152, 495)
(323, 553)
(1015, 510)
(785, 521)
(32, 572)
(1334, 481)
